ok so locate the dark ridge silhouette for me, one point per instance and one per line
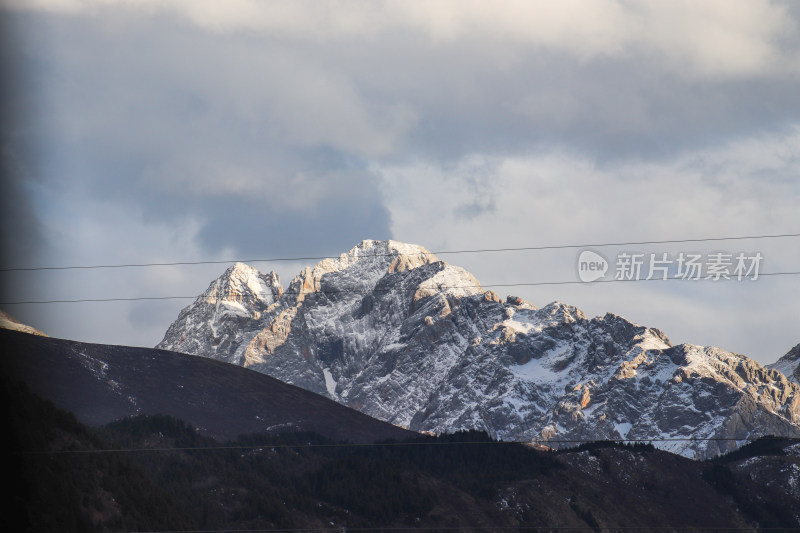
(101, 383)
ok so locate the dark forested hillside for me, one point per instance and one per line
(61, 483)
(162, 475)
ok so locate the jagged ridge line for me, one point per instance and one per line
(368, 291)
(443, 252)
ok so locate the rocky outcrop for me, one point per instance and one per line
(9, 322)
(789, 364)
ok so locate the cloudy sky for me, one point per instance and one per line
(144, 131)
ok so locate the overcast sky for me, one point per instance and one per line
(146, 131)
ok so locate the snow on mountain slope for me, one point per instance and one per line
(392, 331)
(789, 364)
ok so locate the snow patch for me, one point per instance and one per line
(533, 370)
(515, 326)
(330, 383)
(233, 308)
(451, 280)
(623, 428)
(395, 346)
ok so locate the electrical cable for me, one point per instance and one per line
(394, 289)
(443, 252)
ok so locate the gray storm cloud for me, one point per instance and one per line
(170, 130)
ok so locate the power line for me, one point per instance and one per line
(442, 252)
(478, 528)
(391, 444)
(339, 529)
(393, 289)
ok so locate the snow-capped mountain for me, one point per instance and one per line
(789, 364)
(394, 332)
(216, 323)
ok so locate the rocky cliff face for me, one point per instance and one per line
(390, 330)
(789, 364)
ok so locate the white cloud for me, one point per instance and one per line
(711, 38)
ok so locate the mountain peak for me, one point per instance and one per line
(361, 267)
(241, 279)
(217, 319)
(242, 291)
